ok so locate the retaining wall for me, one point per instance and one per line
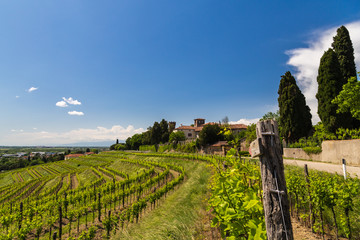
(298, 153)
(333, 151)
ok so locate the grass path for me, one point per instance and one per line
(179, 215)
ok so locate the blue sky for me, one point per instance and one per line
(101, 70)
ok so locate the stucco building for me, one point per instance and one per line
(192, 132)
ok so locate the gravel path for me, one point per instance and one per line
(327, 167)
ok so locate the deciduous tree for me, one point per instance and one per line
(210, 134)
(176, 137)
(348, 99)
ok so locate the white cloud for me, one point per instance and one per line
(71, 101)
(245, 121)
(76, 113)
(306, 60)
(14, 130)
(32, 89)
(61, 104)
(17, 96)
(66, 101)
(98, 134)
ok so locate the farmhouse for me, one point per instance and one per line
(192, 132)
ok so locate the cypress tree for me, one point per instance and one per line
(295, 116)
(329, 85)
(344, 50)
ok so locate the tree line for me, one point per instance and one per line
(162, 133)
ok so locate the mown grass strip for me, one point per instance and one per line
(178, 216)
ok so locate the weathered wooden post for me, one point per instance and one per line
(60, 222)
(99, 207)
(275, 198)
(21, 214)
(312, 219)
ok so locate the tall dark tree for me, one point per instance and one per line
(295, 116)
(344, 50)
(164, 126)
(155, 133)
(329, 85)
(146, 138)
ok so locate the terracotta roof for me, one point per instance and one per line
(198, 129)
(238, 126)
(220, 143)
(185, 127)
(75, 155)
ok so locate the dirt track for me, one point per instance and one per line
(327, 167)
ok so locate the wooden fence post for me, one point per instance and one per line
(275, 198)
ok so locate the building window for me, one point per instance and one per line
(189, 135)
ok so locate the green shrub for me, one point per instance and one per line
(190, 147)
(120, 147)
(312, 150)
(345, 134)
(163, 148)
(151, 148)
(244, 153)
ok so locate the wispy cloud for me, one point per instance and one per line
(71, 101)
(76, 113)
(306, 60)
(245, 121)
(15, 130)
(66, 101)
(18, 137)
(17, 96)
(32, 89)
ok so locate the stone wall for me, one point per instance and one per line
(298, 153)
(333, 151)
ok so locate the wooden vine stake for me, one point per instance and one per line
(311, 216)
(275, 198)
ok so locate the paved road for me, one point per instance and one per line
(327, 167)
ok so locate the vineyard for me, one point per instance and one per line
(83, 198)
(325, 202)
(123, 195)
